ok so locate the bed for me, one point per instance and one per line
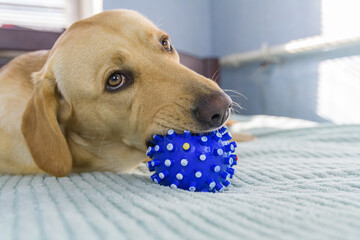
(297, 180)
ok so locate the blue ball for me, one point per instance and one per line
(198, 162)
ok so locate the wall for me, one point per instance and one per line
(321, 86)
(318, 87)
(186, 21)
(244, 25)
(281, 89)
(211, 28)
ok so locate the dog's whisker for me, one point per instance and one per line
(159, 22)
(236, 108)
(101, 144)
(236, 111)
(238, 105)
(216, 75)
(236, 92)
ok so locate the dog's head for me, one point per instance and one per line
(116, 77)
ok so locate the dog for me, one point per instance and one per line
(94, 101)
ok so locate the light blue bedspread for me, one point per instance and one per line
(290, 184)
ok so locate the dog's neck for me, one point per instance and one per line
(101, 154)
(97, 152)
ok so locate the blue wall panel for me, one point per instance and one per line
(243, 25)
(186, 21)
(293, 87)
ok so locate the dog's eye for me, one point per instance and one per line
(165, 42)
(115, 81)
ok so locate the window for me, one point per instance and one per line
(46, 15)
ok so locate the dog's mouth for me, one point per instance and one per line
(194, 130)
(149, 141)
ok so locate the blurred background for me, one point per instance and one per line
(298, 58)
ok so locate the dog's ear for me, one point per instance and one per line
(41, 129)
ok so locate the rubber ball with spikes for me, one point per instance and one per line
(194, 162)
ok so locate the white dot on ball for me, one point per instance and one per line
(198, 174)
(212, 185)
(192, 189)
(173, 186)
(231, 161)
(217, 168)
(184, 162)
(167, 162)
(161, 175)
(170, 147)
(155, 180)
(220, 152)
(157, 148)
(219, 135)
(179, 176)
(171, 131)
(202, 157)
(204, 139)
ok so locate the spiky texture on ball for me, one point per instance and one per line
(200, 162)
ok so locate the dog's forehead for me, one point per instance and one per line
(106, 32)
(119, 26)
(125, 22)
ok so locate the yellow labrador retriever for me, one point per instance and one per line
(94, 100)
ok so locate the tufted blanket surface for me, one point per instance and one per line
(297, 180)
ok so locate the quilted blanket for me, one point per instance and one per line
(291, 183)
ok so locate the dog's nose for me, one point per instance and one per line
(213, 110)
